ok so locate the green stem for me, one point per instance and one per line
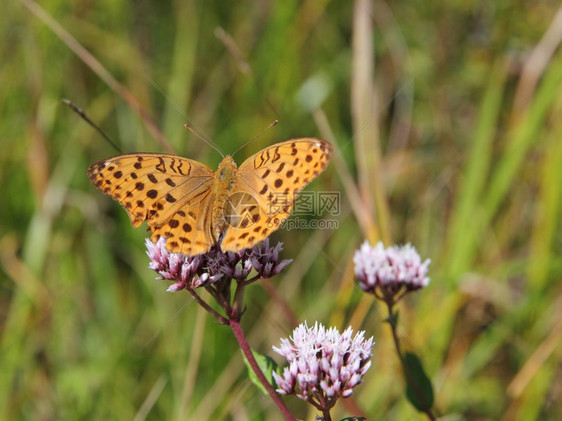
(393, 324)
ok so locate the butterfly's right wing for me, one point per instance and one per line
(173, 193)
(272, 177)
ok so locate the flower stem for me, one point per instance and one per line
(241, 338)
(326, 416)
(393, 327)
(238, 302)
(222, 320)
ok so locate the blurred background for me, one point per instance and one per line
(446, 117)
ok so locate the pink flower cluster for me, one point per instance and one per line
(391, 269)
(324, 365)
(206, 269)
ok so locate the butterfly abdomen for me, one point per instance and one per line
(222, 186)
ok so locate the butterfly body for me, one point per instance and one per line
(195, 207)
(222, 186)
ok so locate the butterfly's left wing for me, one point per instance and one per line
(172, 193)
(273, 177)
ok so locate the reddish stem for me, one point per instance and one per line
(241, 338)
(222, 320)
(326, 416)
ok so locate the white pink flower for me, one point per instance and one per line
(324, 365)
(205, 269)
(390, 270)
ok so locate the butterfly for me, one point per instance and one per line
(194, 207)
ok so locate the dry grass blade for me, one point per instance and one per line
(536, 64)
(365, 120)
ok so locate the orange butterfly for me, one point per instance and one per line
(195, 208)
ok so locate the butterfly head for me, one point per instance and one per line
(227, 169)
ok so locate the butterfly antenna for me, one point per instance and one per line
(188, 127)
(82, 114)
(274, 123)
(206, 138)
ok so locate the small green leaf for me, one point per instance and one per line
(419, 390)
(267, 366)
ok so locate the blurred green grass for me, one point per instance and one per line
(448, 117)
